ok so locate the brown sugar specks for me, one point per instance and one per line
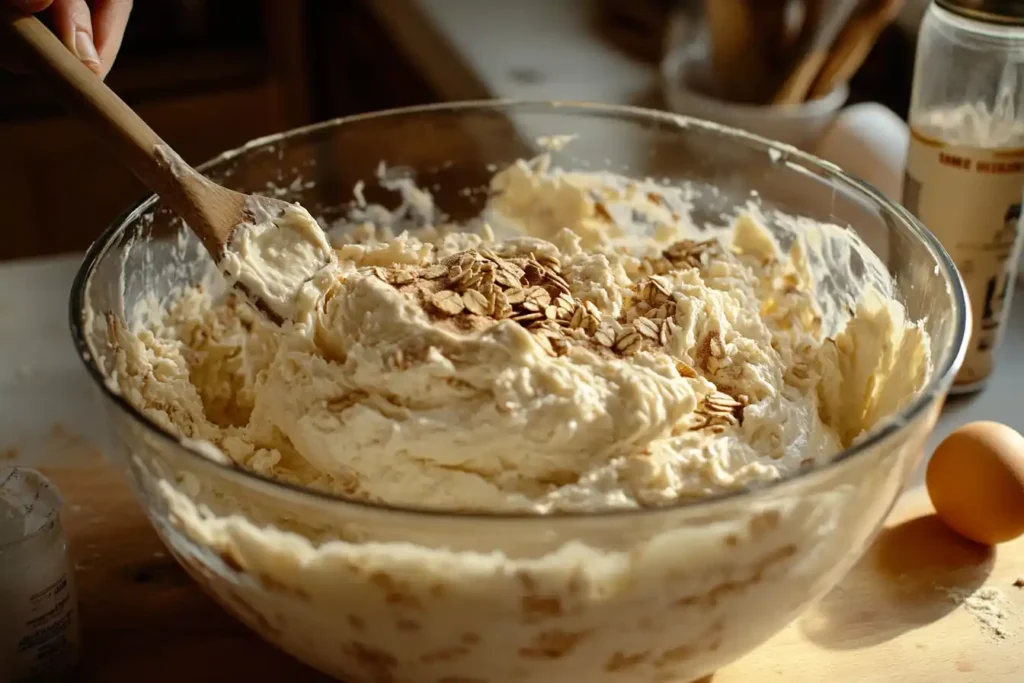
(553, 644)
(711, 352)
(538, 606)
(710, 641)
(275, 586)
(602, 211)
(709, 598)
(407, 625)
(677, 654)
(763, 523)
(447, 654)
(250, 615)
(395, 592)
(231, 560)
(621, 661)
(379, 664)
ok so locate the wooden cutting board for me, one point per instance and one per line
(895, 618)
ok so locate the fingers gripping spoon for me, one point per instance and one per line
(270, 249)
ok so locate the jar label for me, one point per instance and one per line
(38, 606)
(970, 198)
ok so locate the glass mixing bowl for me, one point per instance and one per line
(370, 593)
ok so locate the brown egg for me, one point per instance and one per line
(976, 482)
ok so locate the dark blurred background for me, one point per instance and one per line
(210, 74)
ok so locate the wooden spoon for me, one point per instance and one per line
(854, 44)
(773, 45)
(733, 35)
(213, 213)
(796, 86)
(813, 10)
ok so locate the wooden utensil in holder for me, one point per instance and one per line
(854, 44)
(801, 78)
(758, 57)
(733, 36)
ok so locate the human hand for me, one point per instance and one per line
(91, 29)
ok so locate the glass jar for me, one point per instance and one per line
(38, 604)
(965, 166)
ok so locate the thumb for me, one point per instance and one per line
(72, 22)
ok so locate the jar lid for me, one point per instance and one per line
(992, 11)
(29, 505)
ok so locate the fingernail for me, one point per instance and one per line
(86, 50)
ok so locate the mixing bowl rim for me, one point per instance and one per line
(779, 153)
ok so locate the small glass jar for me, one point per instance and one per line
(38, 604)
(965, 167)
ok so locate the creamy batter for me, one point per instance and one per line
(284, 261)
(570, 366)
(583, 348)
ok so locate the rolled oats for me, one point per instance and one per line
(545, 343)
(502, 308)
(402, 277)
(628, 343)
(434, 272)
(665, 331)
(537, 299)
(647, 328)
(605, 336)
(534, 273)
(528, 317)
(576, 321)
(448, 302)
(691, 253)
(515, 296)
(506, 279)
(477, 303)
(550, 262)
(559, 282)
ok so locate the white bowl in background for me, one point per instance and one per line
(684, 68)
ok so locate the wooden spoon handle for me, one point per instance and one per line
(814, 10)
(794, 89)
(127, 135)
(854, 44)
(733, 40)
(800, 80)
